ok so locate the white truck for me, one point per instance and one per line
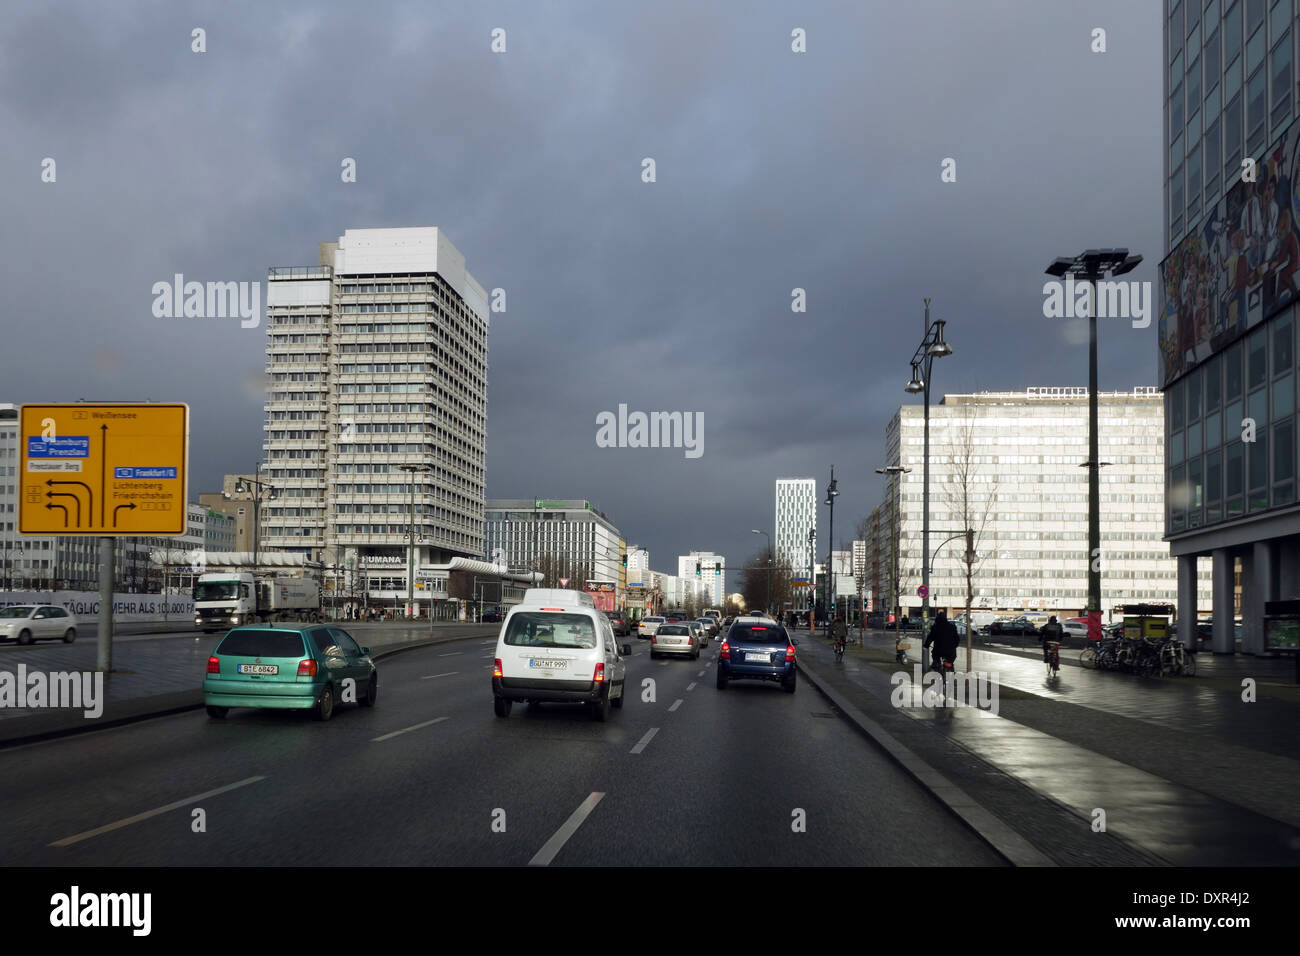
(240, 592)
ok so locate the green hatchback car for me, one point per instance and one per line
(301, 667)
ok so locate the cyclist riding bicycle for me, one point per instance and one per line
(943, 635)
(839, 634)
(1051, 632)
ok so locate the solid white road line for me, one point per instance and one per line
(432, 676)
(108, 827)
(553, 846)
(675, 706)
(452, 654)
(405, 730)
(691, 686)
(641, 744)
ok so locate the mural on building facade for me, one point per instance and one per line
(1237, 268)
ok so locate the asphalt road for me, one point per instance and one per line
(431, 777)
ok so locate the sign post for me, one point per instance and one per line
(103, 470)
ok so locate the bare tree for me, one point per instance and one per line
(971, 499)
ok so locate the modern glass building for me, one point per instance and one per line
(1228, 292)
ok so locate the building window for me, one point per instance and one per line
(1232, 139)
(1281, 73)
(1214, 487)
(1257, 459)
(1234, 478)
(1284, 463)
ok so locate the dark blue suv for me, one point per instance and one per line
(757, 649)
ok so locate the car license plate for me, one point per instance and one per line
(548, 663)
(258, 668)
(759, 658)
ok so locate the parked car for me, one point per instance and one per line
(294, 667)
(555, 646)
(1074, 629)
(757, 649)
(25, 623)
(1014, 626)
(647, 626)
(675, 637)
(619, 623)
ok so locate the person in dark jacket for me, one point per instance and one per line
(943, 635)
(1051, 632)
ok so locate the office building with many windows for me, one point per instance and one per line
(1228, 359)
(1008, 465)
(376, 406)
(796, 516)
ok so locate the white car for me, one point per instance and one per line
(25, 623)
(555, 646)
(647, 626)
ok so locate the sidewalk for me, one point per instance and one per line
(1186, 772)
(165, 675)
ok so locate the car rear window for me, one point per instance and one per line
(757, 634)
(547, 629)
(671, 629)
(262, 643)
(654, 620)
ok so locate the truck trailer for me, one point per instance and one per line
(235, 591)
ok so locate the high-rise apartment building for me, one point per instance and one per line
(376, 405)
(1229, 363)
(796, 515)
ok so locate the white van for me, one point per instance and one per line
(555, 646)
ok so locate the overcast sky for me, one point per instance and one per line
(775, 170)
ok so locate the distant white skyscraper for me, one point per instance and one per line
(711, 580)
(796, 513)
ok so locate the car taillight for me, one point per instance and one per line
(654, 638)
(307, 668)
(496, 668)
(214, 665)
(789, 653)
(725, 650)
(599, 676)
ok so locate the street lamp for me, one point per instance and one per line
(932, 347)
(894, 535)
(255, 487)
(1091, 265)
(769, 565)
(832, 492)
(410, 553)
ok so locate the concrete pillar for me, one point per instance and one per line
(1187, 600)
(1259, 586)
(1222, 590)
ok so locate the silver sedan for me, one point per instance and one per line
(678, 637)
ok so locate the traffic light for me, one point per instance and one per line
(697, 567)
(625, 559)
(717, 567)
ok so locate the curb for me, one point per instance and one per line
(1004, 841)
(54, 726)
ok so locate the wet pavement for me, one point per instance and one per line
(1180, 770)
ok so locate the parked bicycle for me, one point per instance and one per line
(1142, 656)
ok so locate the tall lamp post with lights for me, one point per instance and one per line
(1089, 266)
(894, 535)
(832, 492)
(410, 552)
(769, 565)
(932, 347)
(257, 489)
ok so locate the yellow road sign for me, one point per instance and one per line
(117, 469)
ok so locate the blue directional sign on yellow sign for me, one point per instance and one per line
(115, 469)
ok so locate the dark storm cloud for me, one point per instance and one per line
(775, 170)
